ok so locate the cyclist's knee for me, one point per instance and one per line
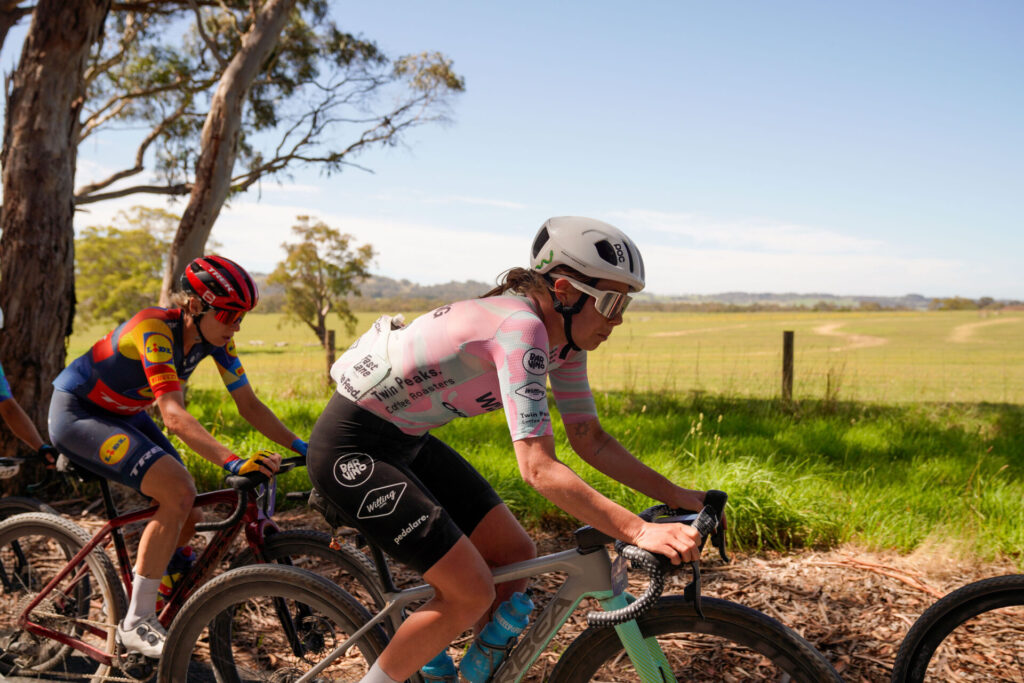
(171, 486)
(463, 582)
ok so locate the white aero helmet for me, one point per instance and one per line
(594, 248)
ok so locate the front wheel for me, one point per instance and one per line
(282, 621)
(731, 642)
(85, 606)
(311, 550)
(976, 633)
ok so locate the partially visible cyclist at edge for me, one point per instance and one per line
(98, 419)
(19, 422)
(372, 454)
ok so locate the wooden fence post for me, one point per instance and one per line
(787, 365)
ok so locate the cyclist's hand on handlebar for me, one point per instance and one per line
(261, 461)
(678, 542)
(49, 454)
(689, 499)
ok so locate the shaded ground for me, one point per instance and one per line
(855, 606)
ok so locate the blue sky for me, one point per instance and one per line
(870, 148)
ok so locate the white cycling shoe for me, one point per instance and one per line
(146, 637)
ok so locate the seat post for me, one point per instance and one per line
(108, 499)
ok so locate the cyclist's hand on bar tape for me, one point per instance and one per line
(688, 499)
(260, 461)
(678, 542)
(49, 454)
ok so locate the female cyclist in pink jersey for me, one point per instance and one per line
(372, 455)
(98, 419)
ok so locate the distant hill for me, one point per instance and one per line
(380, 293)
(758, 300)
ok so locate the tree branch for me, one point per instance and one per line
(139, 157)
(206, 37)
(172, 190)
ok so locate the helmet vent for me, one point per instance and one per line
(607, 252)
(540, 241)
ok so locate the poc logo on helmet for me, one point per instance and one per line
(620, 253)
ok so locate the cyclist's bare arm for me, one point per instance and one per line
(259, 415)
(602, 451)
(182, 424)
(20, 423)
(563, 487)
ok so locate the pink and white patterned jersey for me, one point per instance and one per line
(466, 359)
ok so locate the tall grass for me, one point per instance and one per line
(917, 441)
(813, 474)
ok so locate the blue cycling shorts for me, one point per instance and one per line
(117, 447)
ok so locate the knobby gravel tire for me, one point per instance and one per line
(48, 542)
(337, 615)
(949, 613)
(311, 550)
(597, 654)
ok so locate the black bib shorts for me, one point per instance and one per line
(413, 496)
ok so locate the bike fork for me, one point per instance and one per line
(645, 653)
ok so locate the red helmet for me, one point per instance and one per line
(220, 283)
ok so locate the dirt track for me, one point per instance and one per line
(853, 605)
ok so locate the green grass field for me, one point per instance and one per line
(907, 429)
(894, 357)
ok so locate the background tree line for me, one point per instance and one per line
(224, 92)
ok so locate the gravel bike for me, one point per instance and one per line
(976, 633)
(63, 596)
(650, 638)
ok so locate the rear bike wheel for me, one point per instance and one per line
(16, 505)
(731, 642)
(976, 633)
(311, 550)
(281, 621)
(86, 605)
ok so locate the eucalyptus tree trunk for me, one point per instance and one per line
(44, 99)
(219, 141)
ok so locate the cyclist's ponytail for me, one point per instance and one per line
(520, 281)
(528, 281)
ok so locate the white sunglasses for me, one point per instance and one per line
(609, 303)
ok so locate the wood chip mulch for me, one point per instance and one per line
(853, 605)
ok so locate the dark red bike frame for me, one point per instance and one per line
(257, 524)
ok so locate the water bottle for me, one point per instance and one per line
(181, 561)
(440, 668)
(485, 654)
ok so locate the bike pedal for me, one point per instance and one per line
(138, 666)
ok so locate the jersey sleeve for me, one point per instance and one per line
(5, 388)
(230, 367)
(520, 358)
(151, 340)
(572, 392)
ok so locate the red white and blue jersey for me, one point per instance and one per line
(141, 360)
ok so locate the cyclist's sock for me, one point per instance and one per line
(181, 562)
(376, 675)
(143, 602)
